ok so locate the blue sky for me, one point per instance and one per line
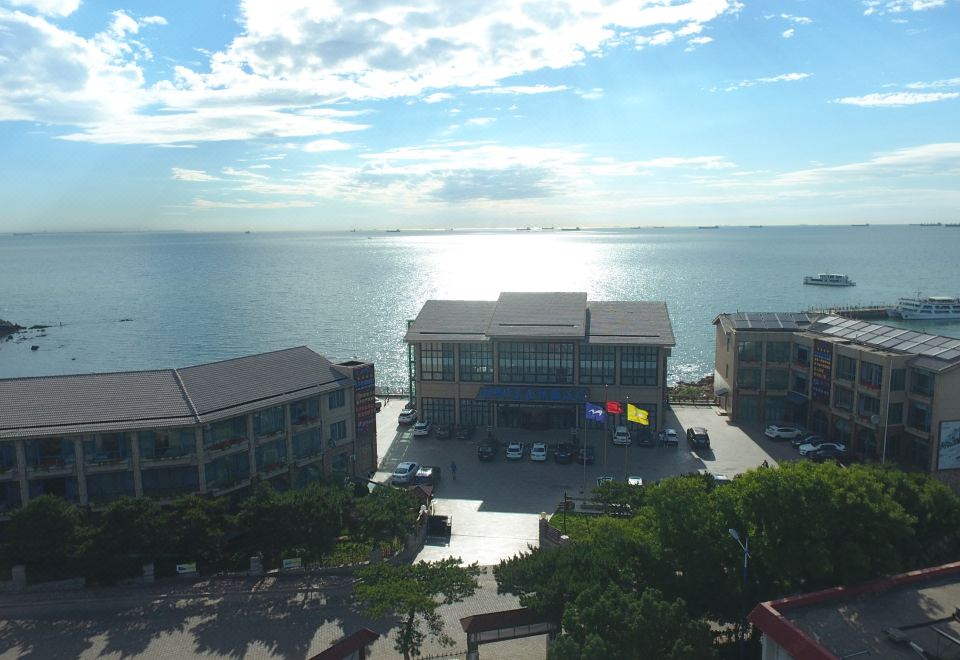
(372, 114)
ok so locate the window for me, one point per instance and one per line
(846, 367)
(227, 471)
(436, 361)
(895, 414)
(438, 411)
(308, 443)
(921, 382)
(778, 351)
(475, 413)
(338, 431)
(898, 378)
(340, 462)
(476, 363)
(843, 398)
(268, 422)
(801, 355)
(749, 351)
(777, 379)
(104, 488)
(9, 496)
(918, 416)
(748, 409)
(598, 365)
(47, 453)
(305, 411)
(65, 487)
(536, 362)
(106, 448)
(336, 400)
(775, 408)
(868, 406)
(639, 365)
(272, 455)
(226, 433)
(170, 482)
(8, 457)
(919, 453)
(871, 375)
(800, 382)
(167, 443)
(841, 431)
(748, 378)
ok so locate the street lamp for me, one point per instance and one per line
(745, 546)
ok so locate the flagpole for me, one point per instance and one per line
(626, 449)
(583, 456)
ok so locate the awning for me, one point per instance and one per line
(796, 397)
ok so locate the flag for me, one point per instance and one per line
(638, 415)
(614, 408)
(595, 413)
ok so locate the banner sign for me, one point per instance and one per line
(527, 394)
(289, 564)
(363, 397)
(948, 457)
(821, 372)
(186, 568)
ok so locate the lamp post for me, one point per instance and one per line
(583, 450)
(626, 452)
(745, 546)
(606, 397)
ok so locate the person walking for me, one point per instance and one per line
(453, 470)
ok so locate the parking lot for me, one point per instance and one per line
(495, 505)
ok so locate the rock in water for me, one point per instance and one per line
(8, 328)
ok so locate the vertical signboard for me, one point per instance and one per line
(821, 372)
(364, 398)
(948, 458)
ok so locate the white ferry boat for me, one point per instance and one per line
(829, 279)
(926, 308)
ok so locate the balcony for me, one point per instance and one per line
(8, 472)
(106, 463)
(223, 446)
(170, 458)
(303, 421)
(52, 465)
(228, 484)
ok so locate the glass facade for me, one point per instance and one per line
(476, 362)
(65, 487)
(308, 443)
(436, 361)
(777, 379)
(749, 351)
(104, 488)
(598, 365)
(8, 457)
(867, 406)
(536, 362)
(227, 471)
(639, 365)
(106, 448)
(272, 455)
(338, 432)
(775, 408)
(898, 378)
(748, 409)
(918, 416)
(170, 482)
(843, 398)
(748, 378)
(305, 411)
(921, 382)
(799, 382)
(846, 367)
(895, 414)
(337, 399)
(871, 375)
(9, 496)
(476, 413)
(269, 421)
(167, 443)
(801, 355)
(437, 410)
(225, 433)
(49, 453)
(778, 351)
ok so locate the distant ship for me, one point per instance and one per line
(523, 228)
(862, 224)
(829, 279)
(941, 308)
(756, 226)
(569, 228)
(931, 224)
(952, 224)
(393, 231)
(709, 227)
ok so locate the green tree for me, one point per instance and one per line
(128, 533)
(384, 515)
(45, 535)
(414, 593)
(269, 523)
(318, 513)
(196, 529)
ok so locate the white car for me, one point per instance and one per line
(407, 416)
(669, 437)
(809, 448)
(515, 450)
(621, 436)
(405, 473)
(422, 429)
(538, 452)
(786, 432)
(635, 481)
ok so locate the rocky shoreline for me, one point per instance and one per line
(8, 329)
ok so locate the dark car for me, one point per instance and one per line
(828, 453)
(464, 432)
(814, 439)
(563, 453)
(697, 436)
(487, 451)
(427, 474)
(443, 432)
(585, 456)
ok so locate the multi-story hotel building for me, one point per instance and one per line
(889, 394)
(287, 416)
(531, 360)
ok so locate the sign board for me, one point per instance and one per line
(186, 568)
(289, 564)
(948, 457)
(821, 372)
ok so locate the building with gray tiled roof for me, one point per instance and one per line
(887, 393)
(532, 360)
(287, 416)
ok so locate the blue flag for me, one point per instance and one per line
(595, 413)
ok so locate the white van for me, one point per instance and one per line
(621, 436)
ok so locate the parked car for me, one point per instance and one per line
(464, 432)
(405, 473)
(621, 436)
(487, 451)
(826, 453)
(538, 452)
(783, 432)
(720, 479)
(515, 450)
(635, 481)
(563, 453)
(427, 474)
(668, 436)
(809, 448)
(407, 416)
(585, 456)
(422, 429)
(443, 432)
(807, 440)
(697, 436)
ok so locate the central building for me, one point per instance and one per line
(532, 360)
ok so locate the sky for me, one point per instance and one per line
(373, 114)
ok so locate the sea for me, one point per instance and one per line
(132, 301)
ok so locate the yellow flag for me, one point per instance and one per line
(638, 415)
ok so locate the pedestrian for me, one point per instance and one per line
(453, 470)
(765, 464)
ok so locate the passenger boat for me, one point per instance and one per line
(829, 279)
(926, 308)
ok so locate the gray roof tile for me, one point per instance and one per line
(632, 322)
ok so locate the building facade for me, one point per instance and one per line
(287, 416)
(531, 360)
(889, 394)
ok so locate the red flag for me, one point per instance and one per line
(614, 408)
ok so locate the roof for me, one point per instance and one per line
(543, 316)
(496, 620)
(91, 403)
(766, 321)
(880, 618)
(348, 646)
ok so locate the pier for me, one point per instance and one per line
(859, 312)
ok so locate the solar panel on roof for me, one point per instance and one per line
(909, 336)
(905, 346)
(932, 351)
(953, 343)
(950, 354)
(868, 338)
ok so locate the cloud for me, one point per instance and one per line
(787, 34)
(949, 82)
(522, 89)
(899, 6)
(928, 160)
(326, 145)
(480, 121)
(48, 7)
(437, 97)
(799, 20)
(243, 204)
(180, 174)
(783, 77)
(896, 99)
(590, 94)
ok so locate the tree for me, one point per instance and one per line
(384, 515)
(196, 529)
(270, 523)
(128, 534)
(45, 535)
(415, 592)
